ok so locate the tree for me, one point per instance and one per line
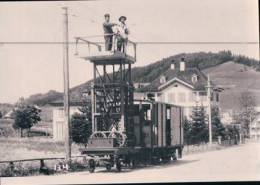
(25, 117)
(81, 124)
(232, 132)
(247, 110)
(217, 127)
(199, 128)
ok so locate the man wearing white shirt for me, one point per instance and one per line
(122, 32)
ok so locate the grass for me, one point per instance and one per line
(32, 147)
(6, 128)
(14, 148)
(42, 128)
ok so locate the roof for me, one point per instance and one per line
(184, 77)
(8, 114)
(59, 103)
(76, 97)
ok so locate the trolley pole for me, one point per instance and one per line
(66, 86)
(209, 109)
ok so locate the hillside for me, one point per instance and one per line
(223, 72)
(234, 78)
(43, 99)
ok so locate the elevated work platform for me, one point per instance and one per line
(108, 57)
(94, 50)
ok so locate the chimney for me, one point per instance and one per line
(172, 65)
(182, 65)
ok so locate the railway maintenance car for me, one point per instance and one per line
(127, 132)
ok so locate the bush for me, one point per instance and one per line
(77, 166)
(18, 170)
(25, 117)
(80, 128)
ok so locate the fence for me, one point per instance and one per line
(42, 168)
(204, 147)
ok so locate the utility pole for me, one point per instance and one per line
(209, 109)
(66, 85)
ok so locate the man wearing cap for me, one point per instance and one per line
(108, 32)
(122, 32)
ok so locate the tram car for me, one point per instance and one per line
(127, 132)
(158, 137)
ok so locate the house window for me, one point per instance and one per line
(194, 78)
(217, 97)
(181, 97)
(60, 113)
(203, 95)
(168, 113)
(211, 96)
(192, 96)
(148, 114)
(162, 79)
(163, 97)
(171, 97)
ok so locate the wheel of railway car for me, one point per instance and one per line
(133, 162)
(165, 159)
(91, 165)
(118, 166)
(108, 167)
(173, 158)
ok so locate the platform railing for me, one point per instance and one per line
(95, 45)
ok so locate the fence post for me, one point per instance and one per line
(177, 153)
(43, 168)
(219, 140)
(240, 138)
(11, 167)
(41, 164)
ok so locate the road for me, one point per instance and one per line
(237, 163)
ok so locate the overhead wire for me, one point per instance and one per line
(138, 42)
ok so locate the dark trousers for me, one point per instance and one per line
(108, 43)
(121, 44)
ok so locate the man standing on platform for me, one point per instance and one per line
(122, 32)
(108, 32)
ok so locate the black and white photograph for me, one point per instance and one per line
(129, 91)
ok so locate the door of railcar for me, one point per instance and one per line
(176, 126)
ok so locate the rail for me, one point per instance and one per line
(95, 46)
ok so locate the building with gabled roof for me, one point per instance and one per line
(58, 115)
(180, 85)
(254, 129)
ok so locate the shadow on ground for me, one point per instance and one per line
(158, 166)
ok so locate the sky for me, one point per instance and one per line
(26, 69)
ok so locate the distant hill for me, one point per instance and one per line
(43, 99)
(234, 78)
(223, 72)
